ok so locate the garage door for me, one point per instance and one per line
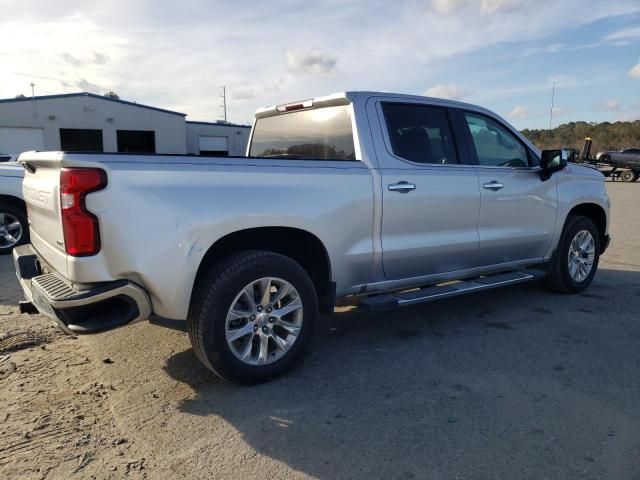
(17, 140)
(214, 146)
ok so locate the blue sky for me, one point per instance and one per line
(502, 54)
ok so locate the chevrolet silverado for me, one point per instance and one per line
(389, 199)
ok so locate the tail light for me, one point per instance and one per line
(289, 107)
(80, 226)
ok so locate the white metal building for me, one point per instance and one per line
(89, 122)
(204, 138)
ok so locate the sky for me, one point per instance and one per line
(502, 54)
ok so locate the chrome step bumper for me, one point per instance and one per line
(431, 293)
(99, 307)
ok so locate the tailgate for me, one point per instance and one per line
(41, 191)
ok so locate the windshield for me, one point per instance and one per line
(319, 134)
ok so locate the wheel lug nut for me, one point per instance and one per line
(259, 308)
(272, 319)
(252, 318)
(265, 329)
(255, 328)
(269, 310)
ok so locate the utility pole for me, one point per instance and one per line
(33, 99)
(223, 95)
(553, 94)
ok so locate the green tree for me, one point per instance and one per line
(112, 95)
(605, 135)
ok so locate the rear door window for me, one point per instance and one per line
(317, 134)
(420, 133)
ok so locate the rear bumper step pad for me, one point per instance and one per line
(97, 308)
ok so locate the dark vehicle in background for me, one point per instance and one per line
(627, 159)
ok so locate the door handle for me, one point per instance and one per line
(493, 185)
(402, 187)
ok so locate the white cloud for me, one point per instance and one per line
(520, 113)
(556, 47)
(87, 86)
(97, 58)
(451, 91)
(612, 105)
(562, 111)
(563, 81)
(626, 34)
(310, 62)
(499, 6)
(242, 93)
(447, 7)
(177, 58)
(635, 71)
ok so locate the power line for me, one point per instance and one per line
(114, 87)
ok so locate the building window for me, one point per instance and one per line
(81, 140)
(136, 141)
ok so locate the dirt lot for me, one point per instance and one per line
(515, 383)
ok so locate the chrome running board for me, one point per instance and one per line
(390, 301)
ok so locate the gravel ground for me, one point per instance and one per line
(513, 383)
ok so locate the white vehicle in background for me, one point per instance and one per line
(13, 213)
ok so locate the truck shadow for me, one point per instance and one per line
(457, 387)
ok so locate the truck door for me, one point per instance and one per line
(430, 198)
(518, 213)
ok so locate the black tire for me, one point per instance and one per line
(558, 278)
(212, 299)
(21, 215)
(628, 176)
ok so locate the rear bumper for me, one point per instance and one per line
(79, 309)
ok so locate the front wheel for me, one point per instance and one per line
(252, 316)
(575, 261)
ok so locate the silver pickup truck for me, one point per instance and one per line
(389, 199)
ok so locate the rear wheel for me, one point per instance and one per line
(576, 259)
(252, 316)
(14, 229)
(628, 176)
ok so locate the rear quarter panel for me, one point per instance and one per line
(159, 216)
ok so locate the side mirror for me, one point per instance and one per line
(552, 161)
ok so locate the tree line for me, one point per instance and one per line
(605, 135)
